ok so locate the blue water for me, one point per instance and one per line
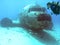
(11, 9)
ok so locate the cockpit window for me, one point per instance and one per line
(36, 9)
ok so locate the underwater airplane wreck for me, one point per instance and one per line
(35, 20)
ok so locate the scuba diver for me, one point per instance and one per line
(54, 6)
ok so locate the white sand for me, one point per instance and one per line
(16, 36)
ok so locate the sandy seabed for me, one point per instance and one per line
(16, 36)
